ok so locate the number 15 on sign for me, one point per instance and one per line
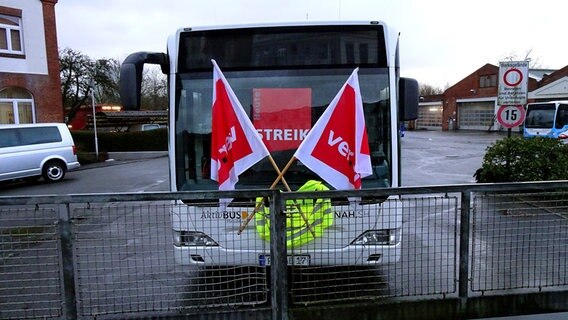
(511, 116)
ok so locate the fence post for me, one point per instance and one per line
(279, 259)
(66, 240)
(463, 277)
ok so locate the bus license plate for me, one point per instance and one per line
(294, 260)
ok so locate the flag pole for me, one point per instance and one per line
(280, 177)
(281, 174)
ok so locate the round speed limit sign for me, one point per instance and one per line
(511, 116)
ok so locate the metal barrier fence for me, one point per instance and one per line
(97, 256)
(520, 240)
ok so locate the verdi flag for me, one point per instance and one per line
(337, 147)
(235, 143)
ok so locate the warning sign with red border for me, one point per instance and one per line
(511, 116)
(513, 83)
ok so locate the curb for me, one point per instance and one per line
(125, 156)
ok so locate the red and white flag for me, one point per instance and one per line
(337, 147)
(235, 143)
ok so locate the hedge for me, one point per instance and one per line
(517, 159)
(152, 140)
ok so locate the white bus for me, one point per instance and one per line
(547, 119)
(284, 75)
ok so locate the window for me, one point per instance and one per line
(488, 81)
(561, 116)
(39, 135)
(16, 106)
(364, 51)
(264, 48)
(9, 138)
(29, 136)
(11, 32)
(350, 52)
(540, 115)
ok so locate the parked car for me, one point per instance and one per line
(144, 127)
(32, 151)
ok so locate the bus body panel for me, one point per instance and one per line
(334, 247)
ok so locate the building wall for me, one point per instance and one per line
(477, 91)
(552, 87)
(471, 104)
(466, 89)
(38, 70)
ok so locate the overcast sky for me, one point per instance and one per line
(442, 41)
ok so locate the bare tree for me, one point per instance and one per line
(78, 74)
(108, 91)
(154, 89)
(534, 62)
(74, 71)
(428, 90)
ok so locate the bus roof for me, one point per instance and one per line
(282, 24)
(548, 102)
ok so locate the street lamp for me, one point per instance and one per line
(94, 119)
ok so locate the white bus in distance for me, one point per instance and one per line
(284, 75)
(547, 119)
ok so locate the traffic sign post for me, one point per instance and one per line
(513, 83)
(512, 93)
(511, 116)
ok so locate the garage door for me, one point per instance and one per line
(429, 117)
(476, 115)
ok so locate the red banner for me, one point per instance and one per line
(282, 116)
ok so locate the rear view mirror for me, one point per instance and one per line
(408, 99)
(131, 76)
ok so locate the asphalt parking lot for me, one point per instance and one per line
(444, 157)
(428, 158)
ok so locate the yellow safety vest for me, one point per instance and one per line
(318, 214)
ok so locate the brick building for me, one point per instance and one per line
(471, 103)
(30, 90)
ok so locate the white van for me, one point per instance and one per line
(32, 151)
